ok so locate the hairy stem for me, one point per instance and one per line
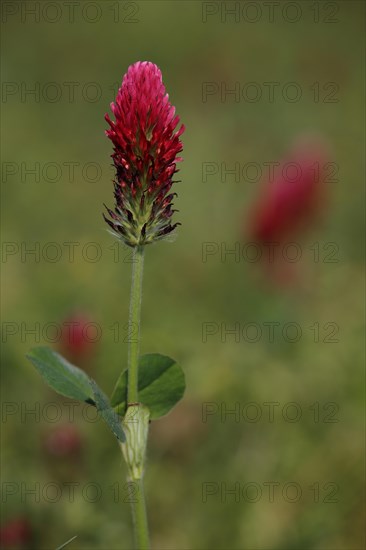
(134, 323)
(139, 517)
(138, 499)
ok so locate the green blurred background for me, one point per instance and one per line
(181, 292)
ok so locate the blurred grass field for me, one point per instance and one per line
(181, 291)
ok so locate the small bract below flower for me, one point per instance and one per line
(146, 144)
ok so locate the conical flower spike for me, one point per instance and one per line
(146, 144)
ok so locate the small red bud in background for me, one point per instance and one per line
(16, 533)
(63, 441)
(80, 335)
(63, 452)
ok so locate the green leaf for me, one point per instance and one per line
(72, 382)
(108, 414)
(61, 375)
(161, 385)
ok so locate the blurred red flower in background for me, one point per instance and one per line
(64, 441)
(63, 448)
(16, 533)
(289, 203)
(293, 198)
(80, 335)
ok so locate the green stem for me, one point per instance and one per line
(140, 517)
(138, 504)
(134, 324)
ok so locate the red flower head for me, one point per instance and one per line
(293, 198)
(146, 145)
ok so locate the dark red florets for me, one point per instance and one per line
(146, 144)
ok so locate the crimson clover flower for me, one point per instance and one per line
(146, 144)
